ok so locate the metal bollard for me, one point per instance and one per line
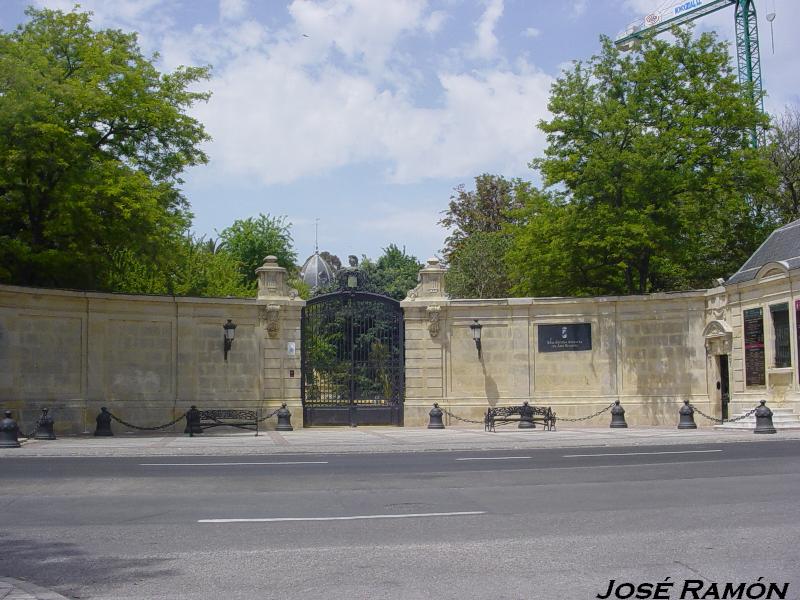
(764, 419)
(435, 415)
(45, 427)
(526, 417)
(9, 432)
(193, 421)
(284, 419)
(618, 416)
(103, 423)
(687, 417)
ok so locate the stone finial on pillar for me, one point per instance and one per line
(272, 282)
(431, 282)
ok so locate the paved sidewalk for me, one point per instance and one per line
(377, 439)
(14, 589)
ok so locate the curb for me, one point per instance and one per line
(305, 444)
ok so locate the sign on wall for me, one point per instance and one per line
(565, 337)
(754, 347)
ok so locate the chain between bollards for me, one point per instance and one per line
(592, 416)
(272, 414)
(156, 428)
(722, 421)
(456, 417)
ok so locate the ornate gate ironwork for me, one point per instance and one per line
(352, 360)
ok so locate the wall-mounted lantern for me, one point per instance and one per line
(230, 331)
(476, 335)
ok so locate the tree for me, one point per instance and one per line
(93, 140)
(393, 274)
(334, 262)
(195, 268)
(476, 246)
(250, 240)
(783, 151)
(650, 171)
(485, 209)
(478, 270)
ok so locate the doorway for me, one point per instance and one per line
(724, 385)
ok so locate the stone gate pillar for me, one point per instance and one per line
(279, 312)
(425, 315)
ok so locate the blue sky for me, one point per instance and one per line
(366, 114)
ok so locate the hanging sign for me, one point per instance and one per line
(687, 6)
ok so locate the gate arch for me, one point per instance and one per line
(352, 360)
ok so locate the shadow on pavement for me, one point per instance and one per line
(64, 567)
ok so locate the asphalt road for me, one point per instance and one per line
(551, 524)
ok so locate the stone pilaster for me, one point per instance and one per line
(279, 314)
(426, 338)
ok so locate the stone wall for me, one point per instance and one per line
(647, 351)
(147, 358)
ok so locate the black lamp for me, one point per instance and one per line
(476, 335)
(230, 331)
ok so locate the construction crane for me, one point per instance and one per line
(685, 11)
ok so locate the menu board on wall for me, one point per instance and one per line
(754, 362)
(565, 337)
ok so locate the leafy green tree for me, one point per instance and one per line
(93, 140)
(783, 151)
(650, 170)
(334, 262)
(250, 240)
(194, 268)
(478, 269)
(393, 274)
(485, 209)
(477, 243)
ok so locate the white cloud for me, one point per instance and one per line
(531, 32)
(578, 8)
(435, 21)
(485, 46)
(232, 10)
(364, 31)
(330, 89)
(278, 124)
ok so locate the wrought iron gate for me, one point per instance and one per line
(352, 360)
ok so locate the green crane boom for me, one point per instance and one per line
(747, 51)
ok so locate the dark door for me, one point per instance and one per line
(352, 360)
(724, 384)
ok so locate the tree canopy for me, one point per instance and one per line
(477, 243)
(783, 151)
(649, 174)
(394, 273)
(250, 240)
(93, 140)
